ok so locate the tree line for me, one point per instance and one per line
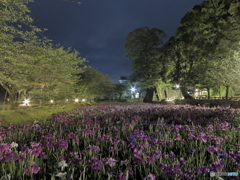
(203, 53)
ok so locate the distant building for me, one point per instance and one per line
(122, 79)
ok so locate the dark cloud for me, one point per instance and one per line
(98, 28)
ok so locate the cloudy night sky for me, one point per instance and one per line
(97, 28)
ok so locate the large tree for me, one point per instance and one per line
(187, 67)
(205, 41)
(39, 70)
(29, 63)
(226, 71)
(143, 46)
(15, 28)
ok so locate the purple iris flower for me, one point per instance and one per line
(135, 134)
(217, 166)
(222, 155)
(126, 162)
(63, 144)
(203, 169)
(182, 161)
(93, 148)
(212, 149)
(96, 164)
(122, 176)
(132, 140)
(71, 135)
(111, 162)
(189, 174)
(119, 123)
(12, 156)
(150, 177)
(34, 168)
(111, 150)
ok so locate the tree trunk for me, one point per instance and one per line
(183, 90)
(227, 91)
(5, 97)
(165, 93)
(149, 95)
(13, 104)
(120, 96)
(155, 90)
(142, 93)
(12, 92)
(208, 93)
(219, 91)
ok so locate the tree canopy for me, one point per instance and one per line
(203, 51)
(34, 67)
(205, 43)
(91, 84)
(143, 46)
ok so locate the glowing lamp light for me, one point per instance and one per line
(76, 100)
(26, 102)
(177, 86)
(83, 100)
(133, 89)
(51, 101)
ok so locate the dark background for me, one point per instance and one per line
(97, 28)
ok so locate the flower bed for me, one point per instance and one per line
(124, 142)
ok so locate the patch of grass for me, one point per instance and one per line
(22, 116)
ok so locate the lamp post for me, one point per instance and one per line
(178, 87)
(133, 89)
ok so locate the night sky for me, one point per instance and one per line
(97, 28)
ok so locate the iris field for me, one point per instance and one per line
(128, 142)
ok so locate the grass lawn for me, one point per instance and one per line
(34, 112)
